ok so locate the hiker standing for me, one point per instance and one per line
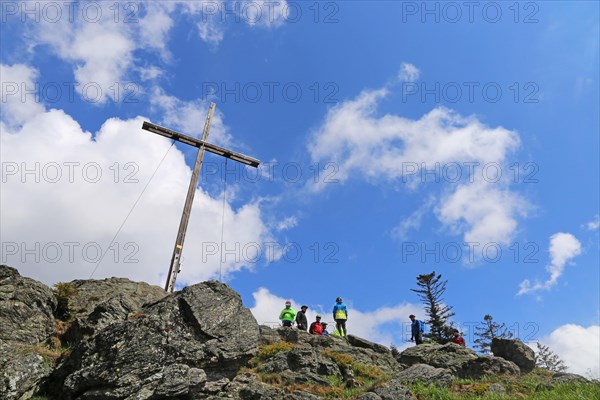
(287, 314)
(301, 321)
(340, 315)
(457, 338)
(416, 329)
(316, 328)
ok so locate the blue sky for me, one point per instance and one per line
(397, 138)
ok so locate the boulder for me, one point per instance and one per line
(564, 377)
(368, 396)
(451, 356)
(22, 371)
(426, 374)
(393, 390)
(202, 334)
(496, 388)
(516, 351)
(26, 324)
(26, 308)
(486, 366)
(99, 303)
(360, 342)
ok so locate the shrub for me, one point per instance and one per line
(64, 292)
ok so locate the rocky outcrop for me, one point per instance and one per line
(426, 374)
(133, 341)
(170, 349)
(488, 366)
(26, 308)
(26, 323)
(516, 351)
(99, 303)
(450, 356)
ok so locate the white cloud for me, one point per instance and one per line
(563, 248)
(100, 42)
(385, 325)
(67, 201)
(578, 347)
(189, 117)
(212, 16)
(413, 221)
(287, 223)
(408, 73)
(484, 211)
(391, 147)
(594, 224)
(15, 81)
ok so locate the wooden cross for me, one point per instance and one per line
(201, 145)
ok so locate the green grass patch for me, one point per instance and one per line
(269, 350)
(526, 387)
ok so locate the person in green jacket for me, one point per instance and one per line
(287, 314)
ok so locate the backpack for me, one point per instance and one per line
(316, 328)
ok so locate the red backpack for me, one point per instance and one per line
(316, 328)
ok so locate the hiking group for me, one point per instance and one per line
(340, 314)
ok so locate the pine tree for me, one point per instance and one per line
(431, 289)
(545, 358)
(487, 331)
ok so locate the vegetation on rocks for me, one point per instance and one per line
(130, 340)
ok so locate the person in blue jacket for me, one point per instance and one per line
(416, 329)
(340, 315)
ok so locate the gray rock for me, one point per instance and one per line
(516, 351)
(393, 390)
(496, 388)
(26, 308)
(99, 303)
(22, 371)
(450, 356)
(300, 395)
(427, 374)
(26, 323)
(203, 327)
(268, 335)
(360, 342)
(368, 396)
(488, 365)
(564, 377)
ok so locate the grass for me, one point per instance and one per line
(526, 387)
(269, 350)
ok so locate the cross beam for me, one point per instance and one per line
(202, 145)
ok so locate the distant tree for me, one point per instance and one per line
(547, 359)
(488, 330)
(431, 291)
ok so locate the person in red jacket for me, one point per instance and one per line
(316, 328)
(458, 339)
